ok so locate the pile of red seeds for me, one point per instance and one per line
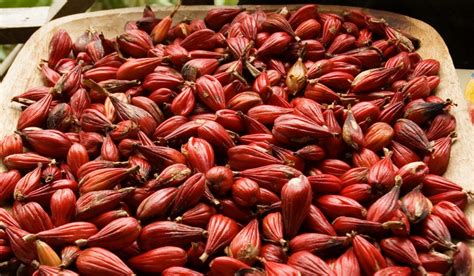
(244, 143)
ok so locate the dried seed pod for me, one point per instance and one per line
(401, 250)
(365, 158)
(23, 250)
(436, 231)
(335, 205)
(210, 91)
(272, 227)
(411, 135)
(98, 202)
(412, 174)
(245, 246)
(28, 183)
(308, 29)
(345, 225)
(8, 181)
(347, 264)
(44, 141)
(351, 132)
(76, 157)
(341, 43)
(358, 192)
(296, 77)
(102, 220)
(273, 269)
(216, 135)
(203, 39)
(331, 27)
(156, 204)
(137, 69)
(426, 67)
(63, 206)
(162, 156)
(462, 260)
(316, 243)
(33, 218)
(395, 270)
(403, 155)
(417, 88)
(454, 218)
(370, 258)
(221, 232)
(273, 253)
(46, 254)
(103, 179)
(266, 114)
(227, 265)
(271, 177)
(275, 44)
(199, 154)
(118, 234)
(378, 136)
(245, 192)
(324, 183)
(219, 179)
(189, 193)
(438, 159)
(354, 176)
(421, 112)
(69, 255)
(459, 198)
(441, 126)
(320, 92)
(383, 173)
(244, 157)
(384, 208)
(35, 114)
(11, 144)
(297, 129)
(168, 233)
(415, 205)
(435, 184)
(311, 153)
(372, 79)
(59, 47)
(436, 262)
(98, 260)
(172, 175)
(295, 200)
(308, 264)
(198, 216)
(64, 234)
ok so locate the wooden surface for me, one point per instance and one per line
(18, 24)
(23, 73)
